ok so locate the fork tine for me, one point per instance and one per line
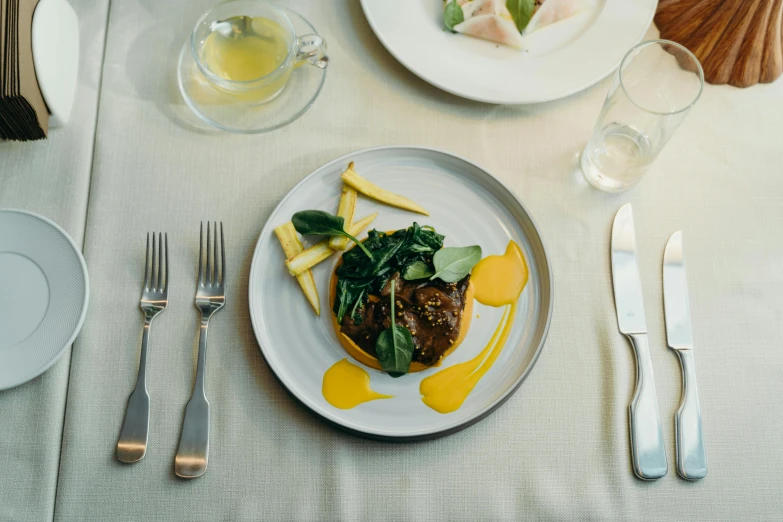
(200, 255)
(166, 275)
(208, 275)
(147, 265)
(161, 268)
(222, 256)
(154, 264)
(215, 256)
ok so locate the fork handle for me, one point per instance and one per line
(132, 444)
(193, 452)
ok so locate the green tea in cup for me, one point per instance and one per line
(249, 49)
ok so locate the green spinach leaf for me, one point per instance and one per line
(453, 15)
(417, 270)
(320, 223)
(521, 11)
(392, 253)
(395, 346)
(342, 300)
(454, 263)
(357, 319)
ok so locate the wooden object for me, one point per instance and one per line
(738, 42)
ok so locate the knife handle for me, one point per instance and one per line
(648, 453)
(691, 455)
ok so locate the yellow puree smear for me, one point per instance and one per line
(347, 386)
(498, 281)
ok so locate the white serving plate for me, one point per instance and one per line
(469, 206)
(558, 60)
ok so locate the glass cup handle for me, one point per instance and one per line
(311, 49)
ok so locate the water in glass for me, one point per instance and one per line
(616, 157)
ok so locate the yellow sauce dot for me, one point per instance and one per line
(346, 386)
(500, 279)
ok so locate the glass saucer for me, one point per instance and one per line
(230, 114)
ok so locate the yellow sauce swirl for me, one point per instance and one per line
(346, 386)
(498, 281)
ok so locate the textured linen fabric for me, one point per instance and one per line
(558, 449)
(51, 178)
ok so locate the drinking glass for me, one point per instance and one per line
(653, 90)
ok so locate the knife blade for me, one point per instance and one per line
(691, 453)
(648, 453)
(675, 295)
(625, 274)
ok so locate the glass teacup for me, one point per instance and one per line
(249, 49)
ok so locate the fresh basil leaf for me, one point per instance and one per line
(395, 359)
(417, 270)
(394, 346)
(521, 11)
(320, 223)
(453, 15)
(454, 263)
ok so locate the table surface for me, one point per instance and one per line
(132, 160)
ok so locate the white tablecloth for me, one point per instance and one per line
(558, 449)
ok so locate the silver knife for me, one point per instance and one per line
(648, 453)
(691, 456)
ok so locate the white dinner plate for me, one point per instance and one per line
(558, 60)
(44, 291)
(466, 204)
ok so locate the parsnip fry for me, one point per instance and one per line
(292, 247)
(307, 282)
(309, 258)
(344, 210)
(350, 177)
(286, 234)
(363, 223)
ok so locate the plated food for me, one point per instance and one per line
(399, 299)
(438, 385)
(506, 21)
(412, 279)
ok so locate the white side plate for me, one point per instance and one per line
(559, 60)
(470, 207)
(44, 290)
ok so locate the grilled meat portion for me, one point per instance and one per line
(431, 310)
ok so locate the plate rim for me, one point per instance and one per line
(85, 304)
(521, 101)
(433, 433)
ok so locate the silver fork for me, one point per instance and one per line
(193, 452)
(132, 444)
